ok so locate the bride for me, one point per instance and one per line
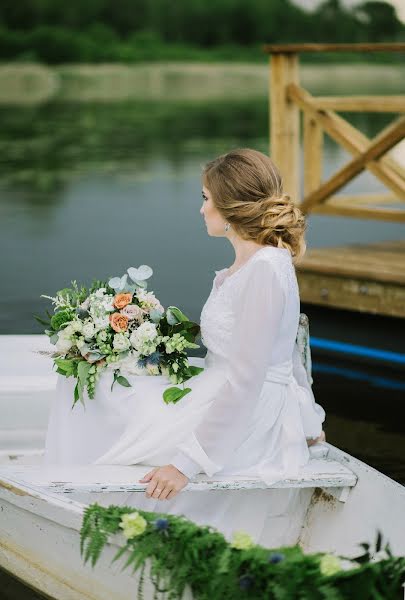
(251, 411)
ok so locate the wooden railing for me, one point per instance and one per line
(287, 98)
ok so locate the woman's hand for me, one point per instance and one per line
(164, 482)
(321, 438)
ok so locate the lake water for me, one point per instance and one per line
(90, 186)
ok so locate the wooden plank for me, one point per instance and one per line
(360, 295)
(367, 198)
(386, 168)
(382, 262)
(360, 47)
(284, 122)
(383, 142)
(362, 103)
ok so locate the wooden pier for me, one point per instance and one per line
(371, 277)
(361, 277)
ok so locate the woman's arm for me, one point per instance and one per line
(258, 310)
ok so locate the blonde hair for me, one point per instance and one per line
(247, 190)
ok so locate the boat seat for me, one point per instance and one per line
(320, 471)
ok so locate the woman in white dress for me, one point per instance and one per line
(251, 411)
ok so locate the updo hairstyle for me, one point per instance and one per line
(246, 188)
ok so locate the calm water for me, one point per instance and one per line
(88, 189)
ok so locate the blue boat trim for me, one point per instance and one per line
(377, 380)
(354, 349)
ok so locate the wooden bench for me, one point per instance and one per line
(319, 472)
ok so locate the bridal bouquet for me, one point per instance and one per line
(118, 325)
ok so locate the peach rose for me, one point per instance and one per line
(122, 300)
(119, 322)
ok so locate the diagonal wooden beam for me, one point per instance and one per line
(380, 144)
(386, 169)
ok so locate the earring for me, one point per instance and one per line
(227, 226)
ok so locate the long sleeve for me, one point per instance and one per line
(258, 309)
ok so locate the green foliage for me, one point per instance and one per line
(184, 553)
(59, 318)
(174, 394)
(120, 379)
(104, 31)
(67, 366)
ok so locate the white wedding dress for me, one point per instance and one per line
(249, 412)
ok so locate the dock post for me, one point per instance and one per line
(285, 121)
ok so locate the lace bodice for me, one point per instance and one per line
(218, 313)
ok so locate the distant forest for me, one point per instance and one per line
(54, 32)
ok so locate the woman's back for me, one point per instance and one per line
(220, 316)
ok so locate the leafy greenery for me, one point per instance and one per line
(184, 553)
(139, 30)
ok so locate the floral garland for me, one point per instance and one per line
(183, 553)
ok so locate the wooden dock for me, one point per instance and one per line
(359, 277)
(368, 277)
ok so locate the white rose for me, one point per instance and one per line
(63, 345)
(121, 342)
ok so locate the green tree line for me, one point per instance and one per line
(130, 30)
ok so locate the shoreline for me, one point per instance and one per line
(34, 83)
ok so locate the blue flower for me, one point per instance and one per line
(245, 582)
(276, 557)
(142, 362)
(161, 524)
(154, 358)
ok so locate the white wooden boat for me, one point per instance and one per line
(342, 501)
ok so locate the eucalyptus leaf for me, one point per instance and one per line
(140, 274)
(54, 338)
(156, 315)
(115, 283)
(84, 349)
(94, 356)
(171, 318)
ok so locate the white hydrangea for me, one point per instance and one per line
(145, 338)
(121, 342)
(88, 330)
(76, 325)
(100, 292)
(80, 343)
(101, 322)
(129, 364)
(102, 336)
